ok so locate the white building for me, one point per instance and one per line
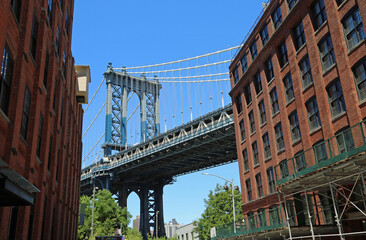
(186, 232)
(171, 228)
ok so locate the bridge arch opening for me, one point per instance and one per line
(133, 119)
(133, 207)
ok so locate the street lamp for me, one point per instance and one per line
(232, 194)
(92, 223)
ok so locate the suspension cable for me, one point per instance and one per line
(94, 119)
(93, 147)
(94, 95)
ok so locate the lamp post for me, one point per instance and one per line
(92, 223)
(156, 228)
(232, 194)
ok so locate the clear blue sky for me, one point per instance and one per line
(142, 32)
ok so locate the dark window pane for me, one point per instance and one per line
(336, 100)
(305, 72)
(353, 29)
(269, 69)
(258, 83)
(299, 35)
(26, 111)
(6, 76)
(264, 35)
(277, 17)
(319, 13)
(282, 57)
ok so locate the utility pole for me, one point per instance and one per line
(156, 228)
(92, 223)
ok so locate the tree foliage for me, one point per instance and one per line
(218, 210)
(107, 215)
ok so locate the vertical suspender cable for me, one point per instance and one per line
(181, 91)
(189, 91)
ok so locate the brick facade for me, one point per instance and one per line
(50, 158)
(346, 59)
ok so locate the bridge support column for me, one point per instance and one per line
(151, 209)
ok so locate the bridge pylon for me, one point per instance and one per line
(119, 86)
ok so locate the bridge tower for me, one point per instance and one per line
(119, 86)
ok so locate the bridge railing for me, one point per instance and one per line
(346, 143)
(163, 142)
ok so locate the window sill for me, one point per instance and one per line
(248, 105)
(15, 18)
(350, 51)
(23, 140)
(315, 130)
(268, 159)
(321, 27)
(260, 93)
(264, 124)
(252, 133)
(256, 166)
(275, 114)
(243, 141)
(296, 141)
(38, 160)
(300, 49)
(4, 116)
(280, 151)
(33, 60)
(360, 104)
(44, 89)
(270, 81)
(284, 66)
(241, 113)
(246, 171)
(342, 4)
(325, 72)
(338, 116)
(288, 103)
(307, 87)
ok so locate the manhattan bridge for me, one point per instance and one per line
(161, 121)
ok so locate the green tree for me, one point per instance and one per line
(107, 215)
(218, 210)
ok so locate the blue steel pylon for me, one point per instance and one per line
(119, 86)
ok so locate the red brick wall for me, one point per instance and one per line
(62, 193)
(345, 61)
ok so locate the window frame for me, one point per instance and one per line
(299, 35)
(249, 190)
(280, 140)
(239, 104)
(244, 64)
(271, 180)
(25, 113)
(258, 180)
(277, 17)
(337, 98)
(251, 121)
(254, 50)
(305, 72)
(327, 56)
(34, 36)
(266, 146)
(264, 35)
(282, 54)
(313, 103)
(255, 154)
(318, 17)
(258, 83)
(248, 94)
(242, 130)
(6, 79)
(358, 30)
(236, 75)
(269, 69)
(294, 126)
(288, 87)
(359, 76)
(262, 112)
(274, 101)
(245, 160)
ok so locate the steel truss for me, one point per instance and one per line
(328, 209)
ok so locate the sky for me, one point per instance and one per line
(143, 32)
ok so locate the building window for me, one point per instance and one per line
(253, 50)
(239, 106)
(319, 13)
(336, 100)
(255, 153)
(34, 34)
(279, 137)
(49, 154)
(67, 23)
(274, 216)
(294, 126)
(289, 90)
(236, 75)
(320, 151)
(16, 5)
(49, 11)
(300, 161)
(26, 111)
(262, 112)
(242, 130)
(6, 76)
(299, 36)
(326, 50)
(251, 122)
(282, 57)
(271, 180)
(277, 17)
(61, 4)
(45, 75)
(274, 101)
(313, 113)
(245, 160)
(251, 220)
(345, 141)
(64, 64)
(305, 72)
(353, 29)
(249, 189)
(269, 69)
(339, 2)
(264, 35)
(247, 94)
(359, 73)
(258, 83)
(57, 39)
(291, 3)
(283, 168)
(39, 139)
(244, 64)
(262, 218)
(266, 146)
(258, 180)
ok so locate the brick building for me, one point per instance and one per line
(40, 120)
(298, 92)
